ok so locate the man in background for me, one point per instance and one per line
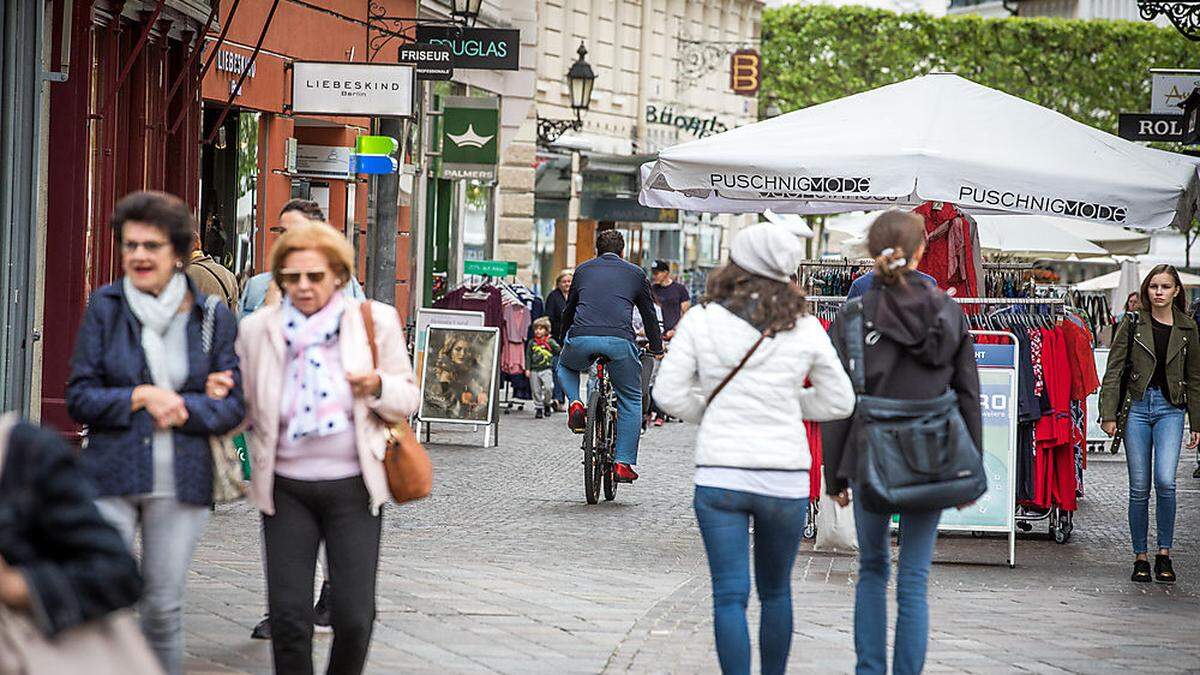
(210, 276)
(261, 289)
(669, 294)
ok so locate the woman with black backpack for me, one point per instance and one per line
(912, 352)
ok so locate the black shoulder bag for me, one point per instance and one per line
(1124, 398)
(913, 455)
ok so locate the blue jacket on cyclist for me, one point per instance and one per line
(598, 321)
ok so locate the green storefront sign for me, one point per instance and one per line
(470, 138)
(490, 268)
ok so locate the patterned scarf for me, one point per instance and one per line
(310, 393)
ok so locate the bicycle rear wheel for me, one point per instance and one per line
(593, 449)
(609, 455)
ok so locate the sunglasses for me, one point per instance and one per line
(150, 246)
(291, 277)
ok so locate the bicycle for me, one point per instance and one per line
(599, 438)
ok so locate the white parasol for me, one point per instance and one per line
(933, 138)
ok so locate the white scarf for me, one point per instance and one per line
(156, 314)
(311, 400)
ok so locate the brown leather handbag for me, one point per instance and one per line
(409, 470)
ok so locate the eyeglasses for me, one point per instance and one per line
(292, 277)
(150, 246)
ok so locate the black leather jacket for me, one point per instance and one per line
(74, 562)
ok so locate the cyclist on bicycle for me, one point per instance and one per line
(598, 321)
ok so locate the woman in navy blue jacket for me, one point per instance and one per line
(151, 395)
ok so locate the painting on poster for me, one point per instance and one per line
(461, 368)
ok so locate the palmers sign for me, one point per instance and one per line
(367, 89)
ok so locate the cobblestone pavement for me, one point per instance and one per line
(505, 569)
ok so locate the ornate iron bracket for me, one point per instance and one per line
(383, 28)
(1183, 14)
(549, 130)
(697, 58)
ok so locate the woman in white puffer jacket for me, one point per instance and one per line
(752, 455)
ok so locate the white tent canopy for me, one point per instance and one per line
(938, 137)
(1115, 240)
(1032, 237)
(1027, 237)
(1112, 280)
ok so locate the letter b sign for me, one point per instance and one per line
(745, 72)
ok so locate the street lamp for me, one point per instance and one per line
(466, 10)
(580, 79)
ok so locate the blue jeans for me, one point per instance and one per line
(918, 533)
(625, 373)
(559, 392)
(1153, 434)
(724, 517)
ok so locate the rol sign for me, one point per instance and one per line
(1151, 127)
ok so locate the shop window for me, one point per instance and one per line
(242, 254)
(476, 231)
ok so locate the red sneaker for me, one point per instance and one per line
(625, 473)
(577, 417)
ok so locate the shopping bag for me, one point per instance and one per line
(835, 526)
(243, 451)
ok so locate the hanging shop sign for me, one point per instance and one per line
(470, 137)
(366, 89)
(490, 268)
(696, 125)
(1151, 127)
(745, 72)
(432, 62)
(1169, 88)
(476, 48)
(325, 161)
(373, 155)
(625, 210)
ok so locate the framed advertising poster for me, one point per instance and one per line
(427, 317)
(461, 369)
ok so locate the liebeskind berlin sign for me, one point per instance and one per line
(1017, 201)
(369, 89)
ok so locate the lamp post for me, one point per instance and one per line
(580, 79)
(465, 10)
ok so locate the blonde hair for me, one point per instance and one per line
(542, 322)
(314, 236)
(893, 239)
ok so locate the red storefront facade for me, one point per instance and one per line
(112, 130)
(131, 116)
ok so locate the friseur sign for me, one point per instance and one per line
(432, 62)
(476, 48)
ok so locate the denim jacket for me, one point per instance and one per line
(109, 363)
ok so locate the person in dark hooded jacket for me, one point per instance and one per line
(917, 347)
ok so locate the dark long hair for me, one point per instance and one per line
(1144, 295)
(773, 304)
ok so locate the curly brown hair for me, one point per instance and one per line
(775, 304)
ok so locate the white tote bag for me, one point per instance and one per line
(835, 526)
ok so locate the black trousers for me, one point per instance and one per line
(307, 512)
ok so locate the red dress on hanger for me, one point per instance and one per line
(952, 254)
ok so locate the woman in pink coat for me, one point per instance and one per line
(316, 408)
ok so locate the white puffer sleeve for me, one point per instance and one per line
(677, 387)
(831, 396)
